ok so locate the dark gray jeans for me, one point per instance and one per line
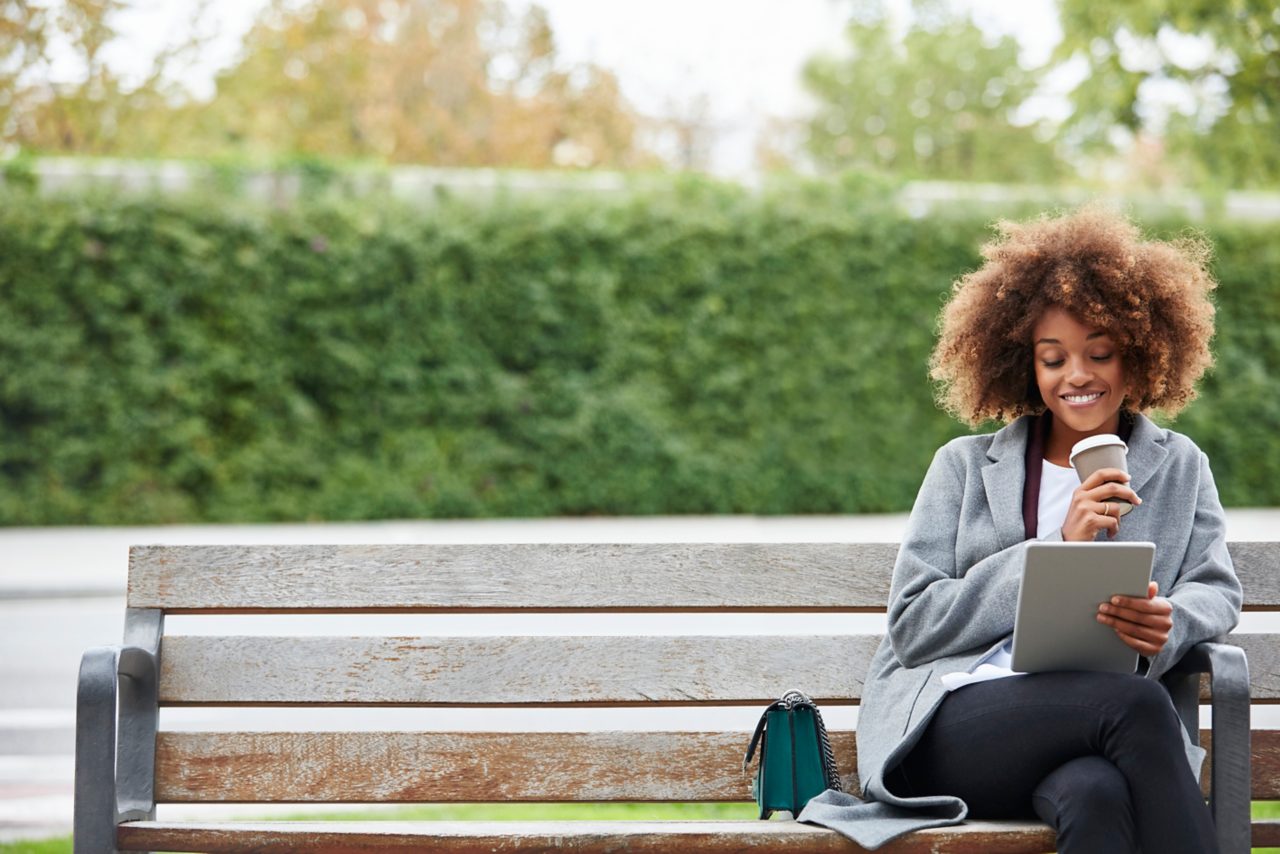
(1098, 756)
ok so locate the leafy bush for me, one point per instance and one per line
(690, 349)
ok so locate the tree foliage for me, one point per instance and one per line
(442, 82)
(1221, 61)
(940, 103)
(447, 82)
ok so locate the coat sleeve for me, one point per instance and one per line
(936, 608)
(1206, 596)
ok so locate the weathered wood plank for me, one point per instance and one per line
(450, 578)
(661, 670)
(1266, 833)
(646, 670)
(449, 767)
(643, 837)
(463, 767)
(444, 578)
(1257, 565)
(1265, 767)
(1263, 653)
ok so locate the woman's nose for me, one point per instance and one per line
(1079, 372)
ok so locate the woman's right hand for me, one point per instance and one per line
(1089, 513)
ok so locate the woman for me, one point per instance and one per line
(1073, 327)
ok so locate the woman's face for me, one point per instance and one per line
(1078, 372)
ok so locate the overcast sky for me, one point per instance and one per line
(743, 56)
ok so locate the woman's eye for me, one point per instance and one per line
(1102, 358)
(1056, 364)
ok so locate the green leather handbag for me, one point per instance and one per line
(796, 761)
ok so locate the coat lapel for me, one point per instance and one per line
(1146, 452)
(1003, 479)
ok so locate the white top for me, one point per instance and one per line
(1056, 485)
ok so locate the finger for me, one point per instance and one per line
(1152, 590)
(1101, 476)
(1141, 646)
(1158, 605)
(1137, 615)
(1109, 521)
(1112, 490)
(1154, 624)
(1134, 630)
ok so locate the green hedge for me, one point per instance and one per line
(696, 349)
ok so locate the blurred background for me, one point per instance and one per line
(496, 271)
(289, 261)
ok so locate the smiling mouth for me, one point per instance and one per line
(1082, 399)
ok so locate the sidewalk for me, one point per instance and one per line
(79, 562)
(91, 562)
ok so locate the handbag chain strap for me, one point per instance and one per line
(791, 699)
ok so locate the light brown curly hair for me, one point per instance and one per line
(1151, 296)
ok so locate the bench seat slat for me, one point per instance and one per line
(444, 767)
(471, 837)
(547, 577)
(545, 670)
(444, 578)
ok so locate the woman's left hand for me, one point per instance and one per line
(1143, 624)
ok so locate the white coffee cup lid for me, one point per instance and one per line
(1097, 442)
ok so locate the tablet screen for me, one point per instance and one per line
(1062, 585)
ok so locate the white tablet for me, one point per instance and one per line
(1062, 585)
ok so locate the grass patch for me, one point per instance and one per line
(1266, 809)
(60, 845)
(535, 812)
(474, 812)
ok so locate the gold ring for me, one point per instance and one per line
(1106, 511)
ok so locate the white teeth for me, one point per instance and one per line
(1082, 398)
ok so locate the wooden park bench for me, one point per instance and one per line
(124, 767)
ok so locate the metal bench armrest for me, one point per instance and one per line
(1230, 783)
(115, 757)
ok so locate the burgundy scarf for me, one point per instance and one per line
(1037, 438)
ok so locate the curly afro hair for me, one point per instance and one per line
(1152, 297)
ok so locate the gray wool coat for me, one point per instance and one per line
(955, 591)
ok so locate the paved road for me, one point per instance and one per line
(61, 592)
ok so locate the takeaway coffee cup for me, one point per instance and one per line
(1104, 451)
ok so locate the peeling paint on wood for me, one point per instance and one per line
(422, 767)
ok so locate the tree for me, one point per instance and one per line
(940, 103)
(95, 112)
(446, 82)
(1222, 61)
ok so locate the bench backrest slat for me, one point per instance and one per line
(510, 577)
(453, 767)
(459, 766)
(545, 577)
(655, 670)
(619, 670)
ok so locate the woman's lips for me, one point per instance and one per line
(1082, 400)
